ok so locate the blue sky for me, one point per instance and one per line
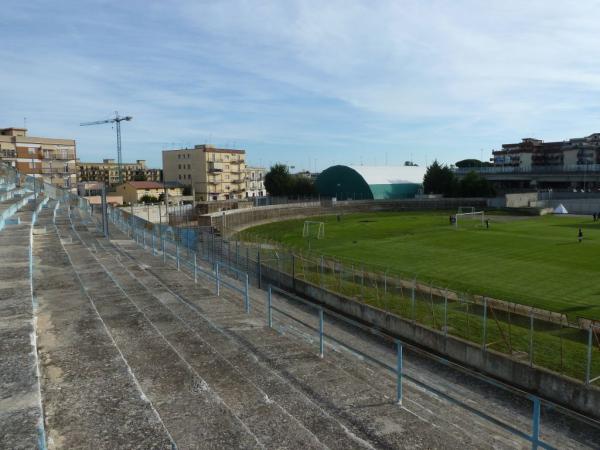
(302, 82)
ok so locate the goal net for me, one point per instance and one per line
(313, 229)
(474, 218)
(466, 209)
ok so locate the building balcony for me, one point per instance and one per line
(215, 167)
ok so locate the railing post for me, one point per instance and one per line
(247, 295)
(153, 243)
(588, 367)
(218, 281)
(535, 426)
(164, 247)
(269, 312)
(399, 357)
(144, 238)
(195, 269)
(177, 254)
(483, 344)
(321, 332)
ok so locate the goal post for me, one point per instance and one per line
(466, 209)
(474, 216)
(313, 228)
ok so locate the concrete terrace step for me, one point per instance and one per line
(20, 412)
(331, 403)
(89, 396)
(242, 414)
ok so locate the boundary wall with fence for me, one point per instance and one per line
(238, 219)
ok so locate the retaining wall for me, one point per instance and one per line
(554, 387)
(239, 219)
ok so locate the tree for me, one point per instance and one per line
(278, 181)
(439, 179)
(474, 185)
(303, 186)
(148, 199)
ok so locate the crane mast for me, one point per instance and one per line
(116, 120)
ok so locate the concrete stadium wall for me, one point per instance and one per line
(239, 219)
(522, 200)
(554, 387)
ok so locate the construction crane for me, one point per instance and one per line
(117, 119)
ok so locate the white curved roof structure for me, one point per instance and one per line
(391, 174)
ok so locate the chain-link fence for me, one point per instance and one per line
(531, 335)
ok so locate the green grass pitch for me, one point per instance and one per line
(534, 261)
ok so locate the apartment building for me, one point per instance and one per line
(215, 174)
(535, 154)
(255, 181)
(107, 171)
(48, 158)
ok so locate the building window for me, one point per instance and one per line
(188, 156)
(227, 157)
(180, 177)
(189, 166)
(189, 176)
(178, 156)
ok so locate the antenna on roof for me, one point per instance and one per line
(24, 122)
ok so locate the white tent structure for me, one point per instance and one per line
(560, 209)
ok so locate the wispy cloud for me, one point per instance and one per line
(303, 80)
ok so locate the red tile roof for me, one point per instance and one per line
(146, 184)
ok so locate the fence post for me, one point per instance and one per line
(293, 272)
(535, 426)
(531, 338)
(258, 269)
(321, 332)
(195, 269)
(321, 277)
(217, 279)
(385, 282)
(269, 313)
(164, 250)
(399, 372)
(588, 368)
(412, 300)
(445, 313)
(247, 296)
(152, 242)
(177, 254)
(483, 345)
(144, 238)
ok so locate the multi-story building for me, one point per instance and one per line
(532, 154)
(51, 159)
(255, 181)
(108, 171)
(213, 173)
